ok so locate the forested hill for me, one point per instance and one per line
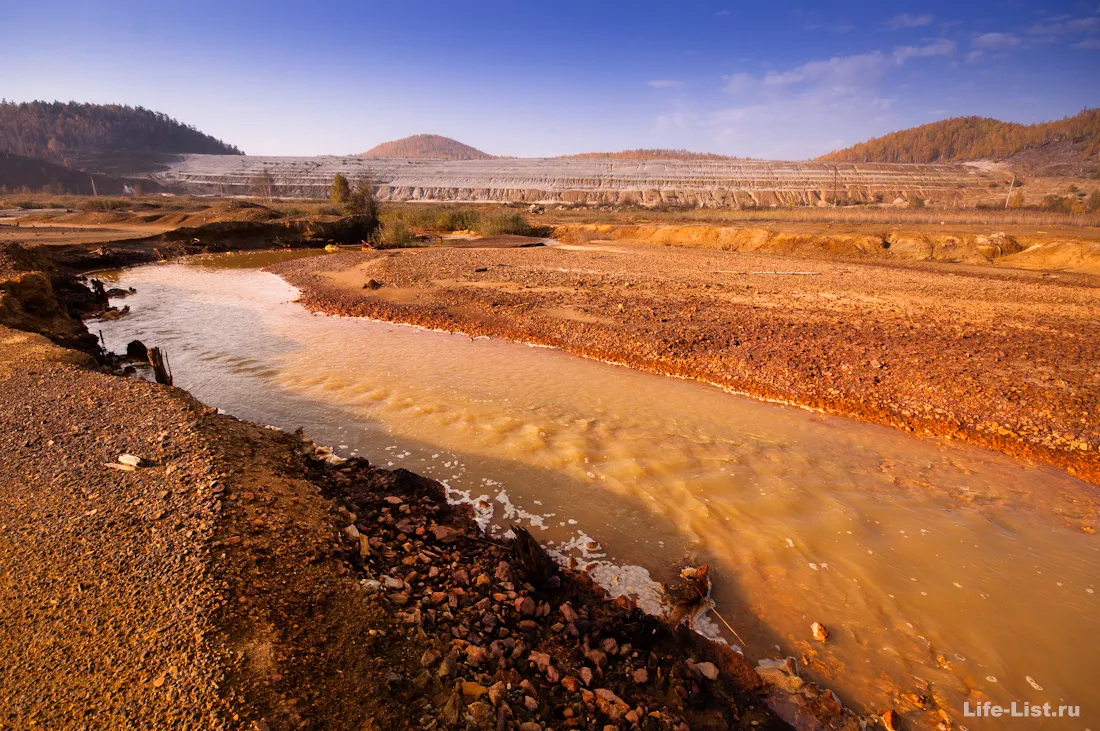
(978, 138)
(57, 131)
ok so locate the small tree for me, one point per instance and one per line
(1017, 200)
(1094, 201)
(361, 200)
(916, 202)
(263, 185)
(340, 190)
(361, 207)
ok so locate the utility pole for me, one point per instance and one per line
(834, 185)
(1009, 196)
(94, 192)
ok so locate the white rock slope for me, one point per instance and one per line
(534, 180)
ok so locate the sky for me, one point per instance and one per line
(762, 79)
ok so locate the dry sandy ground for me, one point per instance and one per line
(154, 598)
(1005, 359)
(40, 234)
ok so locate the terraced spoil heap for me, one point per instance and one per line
(722, 183)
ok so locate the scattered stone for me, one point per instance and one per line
(610, 704)
(820, 633)
(445, 534)
(473, 691)
(480, 711)
(641, 675)
(780, 673)
(707, 670)
(891, 721)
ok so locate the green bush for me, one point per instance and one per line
(340, 190)
(397, 235)
(107, 204)
(503, 223)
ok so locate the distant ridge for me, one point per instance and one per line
(427, 146)
(649, 154)
(1051, 147)
(60, 132)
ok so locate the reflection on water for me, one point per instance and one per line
(935, 566)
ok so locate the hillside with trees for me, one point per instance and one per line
(427, 146)
(649, 154)
(61, 132)
(1060, 142)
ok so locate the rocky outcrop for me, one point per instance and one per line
(710, 183)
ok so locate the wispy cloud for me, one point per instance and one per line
(1089, 44)
(996, 41)
(942, 47)
(665, 83)
(840, 72)
(1063, 25)
(721, 13)
(851, 97)
(908, 20)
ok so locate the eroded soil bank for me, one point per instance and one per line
(239, 579)
(1006, 360)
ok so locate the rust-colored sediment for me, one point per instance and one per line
(1003, 359)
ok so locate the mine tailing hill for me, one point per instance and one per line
(59, 131)
(434, 147)
(1071, 139)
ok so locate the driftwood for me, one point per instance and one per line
(690, 596)
(538, 567)
(161, 369)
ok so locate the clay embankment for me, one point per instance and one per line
(224, 580)
(1078, 251)
(1002, 359)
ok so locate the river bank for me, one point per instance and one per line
(999, 359)
(240, 578)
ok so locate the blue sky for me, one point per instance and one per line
(757, 79)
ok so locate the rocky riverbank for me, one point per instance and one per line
(164, 565)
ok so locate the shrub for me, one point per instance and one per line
(502, 223)
(397, 235)
(1057, 203)
(1093, 203)
(1016, 200)
(340, 190)
(916, 202)
(361, 200)
(106, 204)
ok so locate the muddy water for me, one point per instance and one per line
(939, 569)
